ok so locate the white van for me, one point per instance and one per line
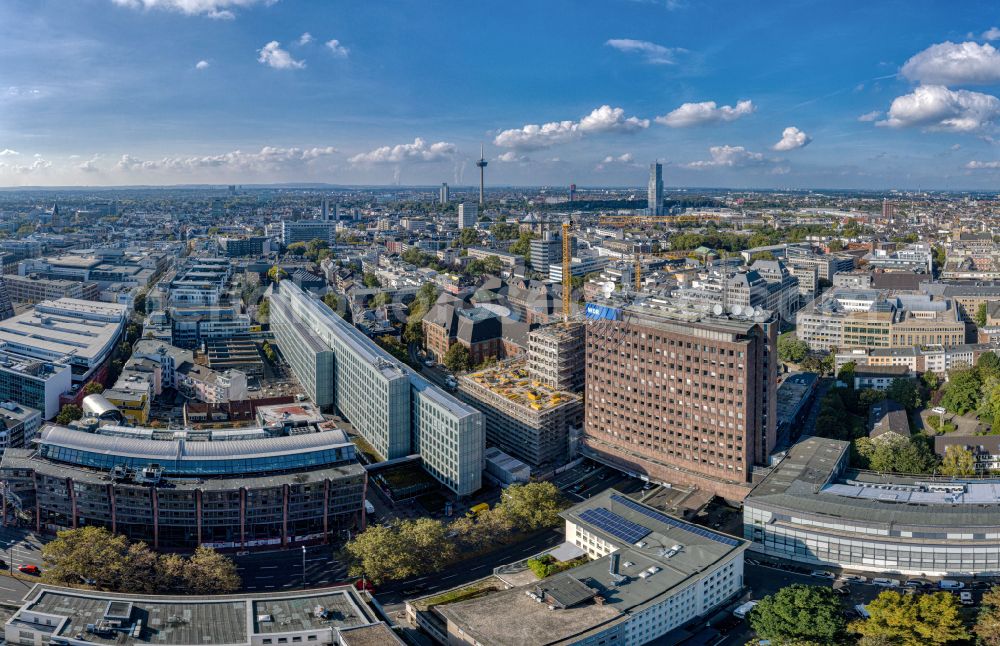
(744, 610)
(949, 584)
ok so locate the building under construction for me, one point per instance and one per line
(524, 417)
(556, 355)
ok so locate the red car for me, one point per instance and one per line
(363, 584)
(29, 569)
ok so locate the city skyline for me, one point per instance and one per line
(166, 92)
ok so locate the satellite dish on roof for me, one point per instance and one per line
(608, 289)
(737, 310)
(717, 310)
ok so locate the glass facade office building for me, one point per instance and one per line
(392, 407)
(812, 508)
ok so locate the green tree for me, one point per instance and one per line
(913, 620)
(791, 348)
(276, 274)
(88, 552)
(904, 392)
(467, 237)
(931, 380)
(531, 506)
(799, 612)
(505, 231)
(69, 413)
(208, 572)
(93, 388)
(297, 248)
(961, 394)
(457, 358)
(139, 304)
(958, 461)
(523, 245)
(987, 627)
(331, 300)
(894, 454)
(846, 374)
(988, 366)
(371, 281)
(264, 310)
(382, 298)
(981, 314)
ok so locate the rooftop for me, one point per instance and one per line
(514, 383)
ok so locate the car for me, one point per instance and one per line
(965, 598)
(842, 590)
(981, 585)
(743, 610)
(862, 611)
(913, 583)
(648, 486)
(364, 584)
(429, 363)
(886, 583)
(33, 570)
(853, 578)
(822, 574)
(949, 584)
(938, 410)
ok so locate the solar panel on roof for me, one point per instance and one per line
(673, 522)
(615, 525)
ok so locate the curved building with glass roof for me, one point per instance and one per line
(181, 489)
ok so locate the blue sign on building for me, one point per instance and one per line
(598, 312)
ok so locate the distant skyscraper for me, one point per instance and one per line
(654, 195)
(572, 192)
(54, 222)
(482, 174)
(444, 195)
(329, 214)
(888, 209)
(232, 189)
(467, 215)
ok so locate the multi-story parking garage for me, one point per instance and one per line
(179, 489)
(812, 508)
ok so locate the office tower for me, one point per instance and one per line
(324, 214)
(654, 194)
(328, 214)
(55, 222)
(572, 192)
(888, 210)
(444, 195)
(467, 215)
(681, 396)
(482, 171)
(232, 190)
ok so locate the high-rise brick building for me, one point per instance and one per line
(682, 396)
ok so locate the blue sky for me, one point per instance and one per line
(726, 93)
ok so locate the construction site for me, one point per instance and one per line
(524, 417)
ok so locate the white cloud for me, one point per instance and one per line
(511, 157)
(7, 152)
(651, 52)
(792, 138)
(201, 65)
(338, 50)
(983, 165)
(38, 164)
(950, 63)
(991, 34)
(600, 120)
(90, 166)
(729, 157)
(305, 38)
(625, 159)
(268, 158)
(272, 55)
(934, 107)
(699, 114)
(870, 116)
(217, 9)
(418, 151)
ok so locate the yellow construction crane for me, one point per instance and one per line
(621, 221)
(567, 280)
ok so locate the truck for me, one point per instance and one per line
(369, 507)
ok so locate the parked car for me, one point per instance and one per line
(745, 609)
(843, 590)
(938, 410)
(822, 574)
(886, 583)
(862, 611)
(965, 598)
(919, 583)
(33, 570)
(429, 363)
(853, 578)
(950, 584)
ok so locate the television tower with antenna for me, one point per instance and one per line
(482, 171)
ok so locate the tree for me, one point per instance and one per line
(264, 310)
(371, 281)
(531, 506)
(988, 366)
(958, 461)
(846, 373)
(381, 553)
(457, 358)
(88, 552)
(208, 572)
(896, 454)
(382, 298)
(961, 394)
(912, 620)
(987, 626)
(981, 314)
(276, 274)
(467, 238)
(93, 388)
(331, 301)
(139, 304)
(904, 392)
(931, 380)
(69, 413)
(523, 245)
(791, 348)
(799, 612)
